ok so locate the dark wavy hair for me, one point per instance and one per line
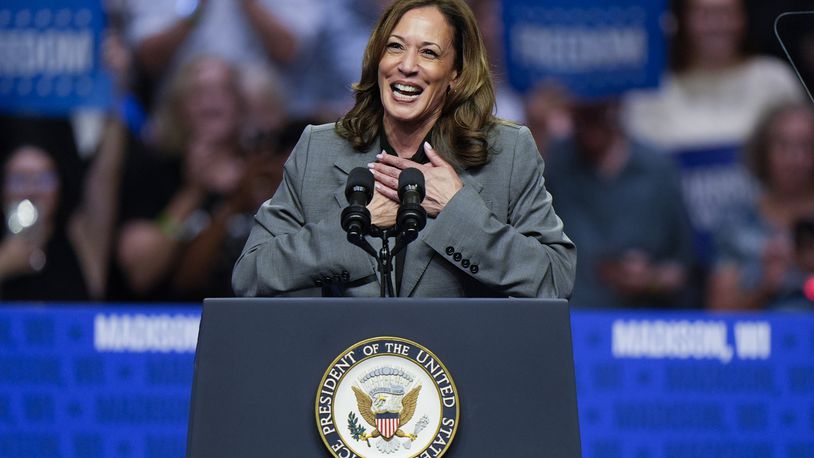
(54, 138)
(460, 133)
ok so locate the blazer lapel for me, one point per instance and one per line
(419, 254)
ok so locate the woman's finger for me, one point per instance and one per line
(386, 180)
(395, 161)
(434, 158)
(378, 167)
(388, 192)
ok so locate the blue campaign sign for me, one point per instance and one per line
(714, 179)
(50, 56)
(595, 48)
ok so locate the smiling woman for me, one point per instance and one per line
(425, 100)
(426, 45)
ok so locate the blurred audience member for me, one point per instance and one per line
(716, 90)
(509, 102)
(58, 232)
(707, 105)
(168, 33)
(59, 218)
(334, 65)
(621, 204)
(264, 105)
(754, 246)
(548, 114)
(205, 267)
(183, 203)
(798, 291)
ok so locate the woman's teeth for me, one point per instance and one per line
(405, 91)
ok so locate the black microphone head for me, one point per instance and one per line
(360, 180)
(411, 180)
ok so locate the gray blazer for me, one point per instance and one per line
(498, 236)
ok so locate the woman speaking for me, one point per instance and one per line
(425, 100)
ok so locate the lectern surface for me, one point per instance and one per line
(259, 364)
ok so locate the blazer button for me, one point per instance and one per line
(474, 268)
(450, 250)
(317, 282)
(457, 257)
(327, 280)
(345, 275)
(465, 263)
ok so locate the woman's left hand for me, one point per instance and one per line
(441, 182)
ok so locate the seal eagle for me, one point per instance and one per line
(380, 414)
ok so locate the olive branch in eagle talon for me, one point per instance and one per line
(356, 430)
(365, 404)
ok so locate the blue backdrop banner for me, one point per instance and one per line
(670, 385)
(50, 56)
(95, 382)
(595, 48)
(116, 381)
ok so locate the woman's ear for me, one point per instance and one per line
(453, 82)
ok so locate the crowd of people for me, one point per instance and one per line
(212, 95)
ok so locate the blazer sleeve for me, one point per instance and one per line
(528, 255)
(285, 251)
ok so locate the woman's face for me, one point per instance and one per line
(210, 104)
(31, 174)
(417, 67)
(791, 153)
(715, 29)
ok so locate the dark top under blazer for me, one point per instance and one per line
(498, 236)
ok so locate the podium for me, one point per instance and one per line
(260, 364)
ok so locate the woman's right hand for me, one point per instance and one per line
(382, 211)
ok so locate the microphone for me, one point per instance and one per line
(359, 192)
(411, 217)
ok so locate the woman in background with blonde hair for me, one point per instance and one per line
(182, 197)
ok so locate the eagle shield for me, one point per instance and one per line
(387, 424)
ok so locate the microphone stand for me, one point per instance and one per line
(384, 258)
(385, 261)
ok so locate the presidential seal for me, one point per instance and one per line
(387, 397)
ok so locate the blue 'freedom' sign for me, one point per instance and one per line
(50, 56)
(595, 48)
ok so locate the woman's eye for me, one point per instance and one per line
(394, 46)
(429, 53)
